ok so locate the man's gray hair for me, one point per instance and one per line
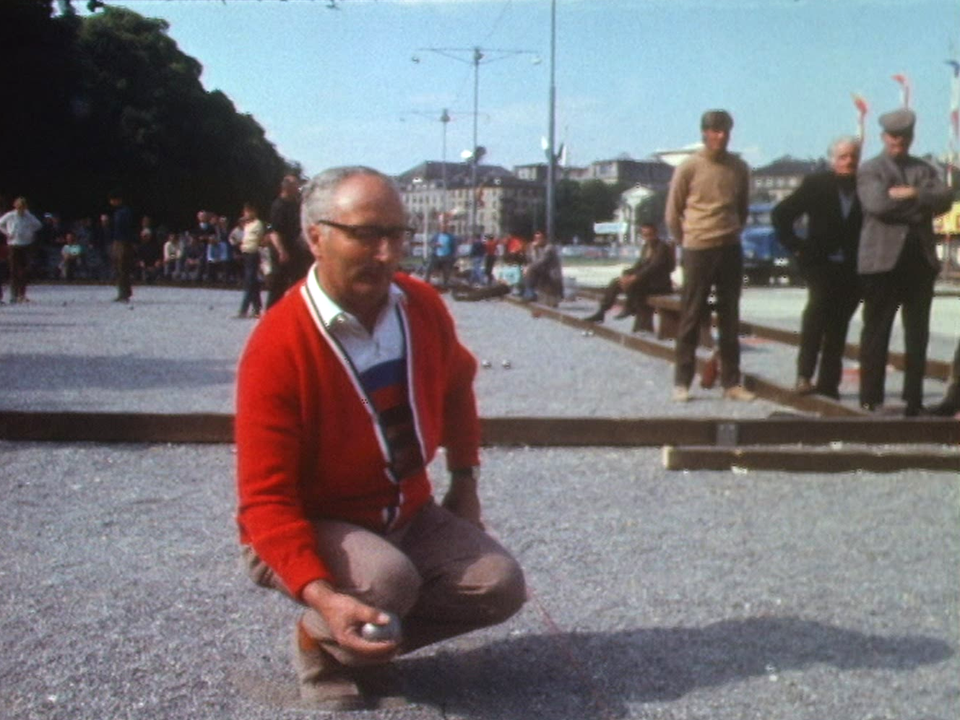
(843, 140)
(316, 200)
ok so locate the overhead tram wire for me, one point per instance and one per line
(477, 56)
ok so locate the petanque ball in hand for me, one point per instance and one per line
(388, 632)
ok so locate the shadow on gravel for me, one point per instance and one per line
(69, 372)
(595, 675)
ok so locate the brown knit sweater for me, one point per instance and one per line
(708, 200)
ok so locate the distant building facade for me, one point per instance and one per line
(503, 200)
(654, 173)
(775, 181)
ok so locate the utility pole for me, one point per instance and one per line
(475, 56)
(551, 135)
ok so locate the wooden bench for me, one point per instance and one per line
(667, 308)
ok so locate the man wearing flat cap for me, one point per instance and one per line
(897, 261)
(706, 209)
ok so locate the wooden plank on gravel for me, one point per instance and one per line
(869, 431)
(810, 460)
(511, 431)
(936, 369)
(116, 427)
(595, 432)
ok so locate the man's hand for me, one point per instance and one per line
(902, 192)
(462, 498)
(627, 279)
(345, 615)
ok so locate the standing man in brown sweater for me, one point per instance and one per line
(706, 210)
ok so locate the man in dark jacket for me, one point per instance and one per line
(828, 262)
(289, 254)
(123, 233)
(650, 275)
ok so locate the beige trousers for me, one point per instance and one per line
(442, 575)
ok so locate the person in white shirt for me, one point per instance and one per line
(172, 256)
(250, 242)
(20, 226)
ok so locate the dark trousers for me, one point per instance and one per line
(284, 276)
(488, 262)
(833, 293)
(909, 288)
(19, 266)
(251, 283)
(123, 256)
(635, 295)
(610, 295)
(951, 399)
(443, 264)
(719, 269)
(278, 285)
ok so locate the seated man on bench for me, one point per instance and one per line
(650, 275)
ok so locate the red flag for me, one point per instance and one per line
(904, 82)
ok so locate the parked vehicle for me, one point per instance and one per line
(764, 258)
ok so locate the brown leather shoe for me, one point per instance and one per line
(324, 682)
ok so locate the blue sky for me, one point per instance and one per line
(334, 87)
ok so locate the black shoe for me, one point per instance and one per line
(869, 407)
(913, 410)
(623, 314)
(597, 317)
(944, 409)
(830, 393)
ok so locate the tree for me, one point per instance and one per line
(580, 205)
(116, 103)
(39, 82)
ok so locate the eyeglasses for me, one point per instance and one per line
(370, 234)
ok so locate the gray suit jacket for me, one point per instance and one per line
(887, 222)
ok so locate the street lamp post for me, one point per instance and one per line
(445, 119)
(474, 160)
(551, 139)
(476, 57)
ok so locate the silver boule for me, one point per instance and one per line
(388, 632)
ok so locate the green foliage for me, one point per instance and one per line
(652, 210)
(110, 100)
(580, 205)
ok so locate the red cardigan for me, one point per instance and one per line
(308, 446)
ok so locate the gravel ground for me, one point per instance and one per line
(175, 351)
(654, 594)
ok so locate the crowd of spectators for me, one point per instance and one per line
(207, 253)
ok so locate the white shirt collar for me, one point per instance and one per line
(331, 314)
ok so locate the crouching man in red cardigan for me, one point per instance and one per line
(345, 391)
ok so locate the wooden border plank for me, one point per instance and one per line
(935, 369)
(512, 431)
(116, 427)
(807, 460)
